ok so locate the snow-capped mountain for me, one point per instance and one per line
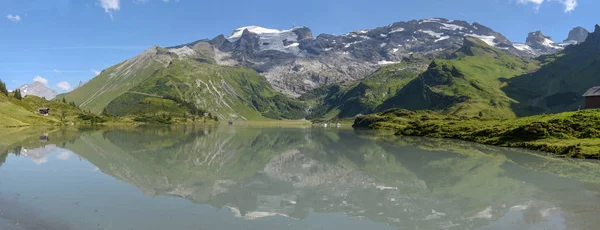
(538, 44)
(38, 89)
(294, 61)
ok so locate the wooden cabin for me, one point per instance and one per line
(592, 98)
(44, 111)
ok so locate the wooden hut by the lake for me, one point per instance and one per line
(592, 98)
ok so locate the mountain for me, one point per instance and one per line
(468, 85)
(38, 89)
(577, 35)
(295, 62)
(558, 85)
(538, 44)
(258, 72)
(366, 95)
(181, 80)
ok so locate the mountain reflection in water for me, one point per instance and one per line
(271, 173)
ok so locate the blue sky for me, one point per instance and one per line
(70, 40)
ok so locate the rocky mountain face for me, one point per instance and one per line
(294, 61)
(38, 89)
(577, 34)
(538, 44)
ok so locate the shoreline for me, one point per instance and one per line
(569, 134)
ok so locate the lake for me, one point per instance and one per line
(185, 177)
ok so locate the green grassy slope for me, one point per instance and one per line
(559, 84)
(467, 85)
(14, 113)
(114, 81)
(227, 92)
(366, 95)
(25, 112)
(140, 85)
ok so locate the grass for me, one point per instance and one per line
(17, 113)
(231, 93)
(470, 83)
(569, 134)
(364, 96)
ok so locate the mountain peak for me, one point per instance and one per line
(538, 40)
(593, 39)
(261, 31)
(38, 89)
(577, 34)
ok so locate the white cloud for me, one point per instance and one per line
(14, 18)
(569, 5)
(40, 79)
(110, 6)
(40, 161)
(65, 86)
(63, 156)
(96, 72)
(56, 71)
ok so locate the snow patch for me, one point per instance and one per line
(434, 20)
(523, 47)
(295, 44)
(382, 45)
(442, 38)
(395, 50)
(549, 43)
(271, 39)
(487, 39)
(396, 30)
(256, 30)
(434, 34)
(447, 26)
(351, 43)
(567, 43)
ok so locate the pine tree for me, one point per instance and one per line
(3, 88)
(64, 100)
(18, 95)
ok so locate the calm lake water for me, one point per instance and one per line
(284, 178)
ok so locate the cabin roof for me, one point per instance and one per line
(592, 92)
